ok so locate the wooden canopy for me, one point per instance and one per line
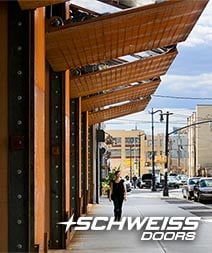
(122, 33)
(121, 75)
(108, 37)
(120, 95)
(117, 111)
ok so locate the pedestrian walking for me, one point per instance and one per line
(118, 193)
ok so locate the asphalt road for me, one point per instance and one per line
(174, 193)
(145, 203)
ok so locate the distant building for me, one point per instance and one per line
(200, 141)
(178, 153)
(132, 151)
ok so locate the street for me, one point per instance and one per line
(147, 205)
(173, 193)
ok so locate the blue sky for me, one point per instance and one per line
(190, 75)
(191, 72)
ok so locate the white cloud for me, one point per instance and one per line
(202, 31)
(200, 85)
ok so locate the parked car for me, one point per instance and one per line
(146, 181)
(140, 183)
(173, 182)
(203, 189)
(188, 188)
(173, 174)
(182, 179)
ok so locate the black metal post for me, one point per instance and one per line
(153, 151)
(139, 156)
(130, 163)
(166, 188)
(153, 154)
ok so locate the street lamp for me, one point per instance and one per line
(130, 163)
(166, 188)
(153, 143)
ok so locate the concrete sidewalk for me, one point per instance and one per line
(145, 204)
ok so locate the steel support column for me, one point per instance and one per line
(57, 147)
(91, 164)
(21, 129)
(75, 163)
(57, 158)
(84, 164)
(97, 178)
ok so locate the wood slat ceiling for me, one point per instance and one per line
(117, 111)
(121, 75)
(118, 34)
(117, 96)
(30, 4)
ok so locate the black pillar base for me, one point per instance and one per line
(166, 188)
(165, 191)
(153, 183)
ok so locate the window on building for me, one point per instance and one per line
(149, 142)
(115, 153)
(116, 141)
(129, 140)
(132, 141)
(136, 140)
(133, 153)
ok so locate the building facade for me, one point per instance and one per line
(178, 153)
(132, 152)
(200, 141)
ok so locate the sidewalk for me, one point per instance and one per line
(144, 204)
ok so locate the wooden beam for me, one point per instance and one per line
(121, 75)
(117, 111)
(120, 95)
